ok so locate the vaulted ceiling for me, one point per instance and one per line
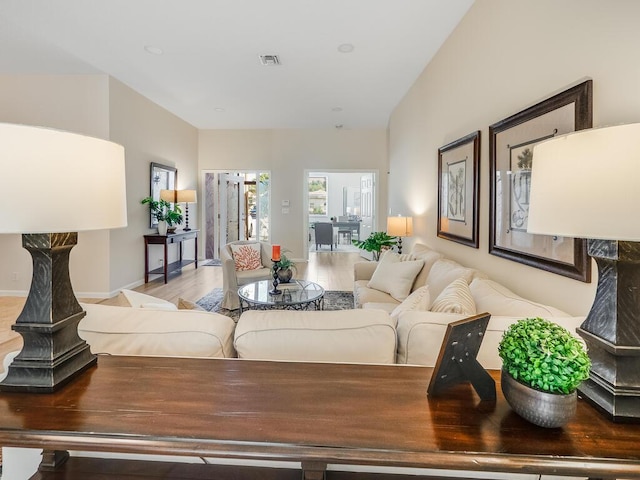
(342, 62)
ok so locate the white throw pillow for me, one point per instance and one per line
(419, 300)
(246, 256)
(138, 300)
(430, 256)
(395, 277)
(455, 298)
(493, 297)
(445, 271)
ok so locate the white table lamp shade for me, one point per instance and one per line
(400, 226)
(58, 181)
(186, 196)
(587, 184)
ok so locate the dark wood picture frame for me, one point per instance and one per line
(162, 177)
(459, 190)
(457, 361)
(511, 144)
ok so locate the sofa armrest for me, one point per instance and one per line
(364, 270)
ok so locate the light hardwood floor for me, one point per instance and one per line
(334, 271)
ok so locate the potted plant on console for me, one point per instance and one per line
(542, 366)
(168, 218)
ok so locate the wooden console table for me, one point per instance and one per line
(315, 414)
(166, 240)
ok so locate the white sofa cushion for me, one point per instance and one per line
(456, 298)
(395, 275)
(496, 299)
(420, 336)
(445, 271)
(361, 336)
(140, 331)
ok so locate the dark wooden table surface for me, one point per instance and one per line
(323, 413)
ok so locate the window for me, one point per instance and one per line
(317, 195)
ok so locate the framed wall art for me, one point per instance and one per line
(459, 189)
(162, 178)
(511, 143)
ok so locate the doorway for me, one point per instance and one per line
(236, 208)
(347, 199)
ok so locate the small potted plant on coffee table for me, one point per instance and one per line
(542, 366)
(286, 267)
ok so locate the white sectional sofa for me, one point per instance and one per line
(420, 330)
(382, 329)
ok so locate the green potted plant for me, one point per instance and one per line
(173, 216)
(285, 267)
(375, 243)
(166, 216)
(542, 366)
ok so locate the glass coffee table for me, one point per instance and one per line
(296, 295)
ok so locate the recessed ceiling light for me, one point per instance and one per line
(336, 109)
(153, 50)
(345, 48)
(219, 109)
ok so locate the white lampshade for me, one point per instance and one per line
(186, 196)
(400, 226)
(587, 184)
(168, 196)
(59, 181)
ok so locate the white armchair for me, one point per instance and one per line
(232, 279)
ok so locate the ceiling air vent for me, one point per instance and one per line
(269, 60)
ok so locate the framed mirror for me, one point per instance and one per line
(162, 178)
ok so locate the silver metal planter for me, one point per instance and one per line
(547, 410)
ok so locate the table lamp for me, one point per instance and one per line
(74, 183)
(585, 185)
(400, 227)
(186, 197)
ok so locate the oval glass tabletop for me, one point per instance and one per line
(297, 292)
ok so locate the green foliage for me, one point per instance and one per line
(286, 263)
(375, 242)
(544, 356)
(162, 211)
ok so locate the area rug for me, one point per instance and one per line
(212, 263)
(333, 300)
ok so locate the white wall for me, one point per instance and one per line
(149, 134)
(103, 261)
(287, 154)
(503, 57)
(79, 104)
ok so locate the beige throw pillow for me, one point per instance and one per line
(445, 271)
(420, 300)
(189, 305)
(455, 298)
(246, 256)
(395, 277)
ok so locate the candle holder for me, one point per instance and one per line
(275, 290)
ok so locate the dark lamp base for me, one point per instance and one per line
(612, 332)
(53, 353)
